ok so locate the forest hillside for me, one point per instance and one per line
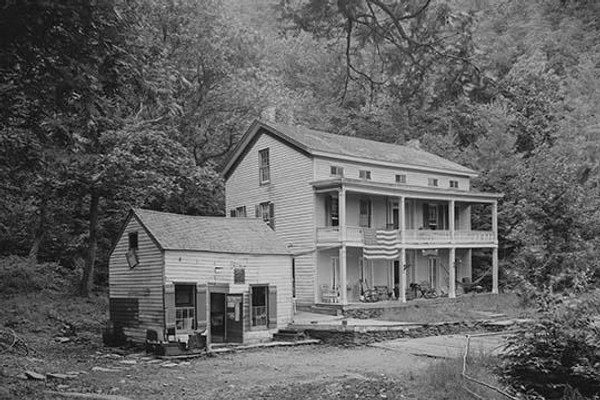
(117, 104)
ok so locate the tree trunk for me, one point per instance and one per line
(87, 279)
(38, 234)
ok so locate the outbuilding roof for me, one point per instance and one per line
(318, 143)
(211, 234)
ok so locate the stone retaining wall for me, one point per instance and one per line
(354, 336)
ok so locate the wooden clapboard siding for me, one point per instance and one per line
(199, 267)
(289, 189)
(386, 174)
(144, 282)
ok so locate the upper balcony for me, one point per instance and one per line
(355, 236)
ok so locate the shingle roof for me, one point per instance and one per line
(316, 141)
(213, 234)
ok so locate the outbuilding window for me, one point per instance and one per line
(185, 310)
(132, 252)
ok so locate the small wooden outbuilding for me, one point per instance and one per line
(174, 277)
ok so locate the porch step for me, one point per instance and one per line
(286, 335)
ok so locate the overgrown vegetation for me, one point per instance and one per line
(558, 356)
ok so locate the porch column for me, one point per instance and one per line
(451, 219)
(495, 221)
(402, 288)
(495, 270)
(452, 273)
(343, 279)
(402, 218)
(342, 214)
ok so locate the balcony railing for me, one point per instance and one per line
(332, 234)
(355, 235)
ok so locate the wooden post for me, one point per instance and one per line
(402, 218)
(342, 213)
(402, 288)
(451, 220)
(495, 270)
(452, 273)
(343, 278)
(495, 221)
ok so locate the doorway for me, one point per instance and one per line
(226, 318)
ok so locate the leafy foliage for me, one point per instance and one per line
(560, 353)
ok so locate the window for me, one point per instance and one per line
(433, 216)
(132, 252)
(364, 216)
(259, 305)
(333, 212)
(364, 174)
(266, 211)
(400, 178)
(238, 212)
(454, 184)
(432, 182)
(185, 310)
(337, 170)
(264, 172)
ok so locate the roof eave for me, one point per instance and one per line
(447, 171)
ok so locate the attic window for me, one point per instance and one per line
(337, 170)
(400, 178)
(132, 256)
(364, 174)
(454, 184)
(432, 182)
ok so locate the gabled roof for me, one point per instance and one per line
(317, 143)
(211, 234)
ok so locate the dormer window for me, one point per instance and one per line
(364, 174)
(336, 170)
(433, 182)
(264, 171)
(454, 184)
(400, 178)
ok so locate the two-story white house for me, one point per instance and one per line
(359, 214)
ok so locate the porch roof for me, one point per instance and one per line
(391, 189)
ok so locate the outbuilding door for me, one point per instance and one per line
(226, 318)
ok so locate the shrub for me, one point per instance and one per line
(559, 354)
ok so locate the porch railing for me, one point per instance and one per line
(355, 234)
(331, 234)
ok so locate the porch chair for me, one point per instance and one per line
(328, 295)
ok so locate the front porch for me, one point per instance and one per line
(426, 274)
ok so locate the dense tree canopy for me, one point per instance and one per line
(107, 105)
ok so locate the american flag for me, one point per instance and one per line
(381, 244)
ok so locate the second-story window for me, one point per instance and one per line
(266, 211)
(364, 174)
(400, 178)
(264, 171)
(454, 184)
(432, 182)
(364, 216)
(238, 212)
(337, 170)
(132, 253)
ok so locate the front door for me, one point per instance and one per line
(234, 322)
(226, 318)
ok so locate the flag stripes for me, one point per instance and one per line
(381, 244)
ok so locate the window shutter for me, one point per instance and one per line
(201, 307)
(272, 304)
(169, 299)
(272, 215)
(257, 211)
(425, 216)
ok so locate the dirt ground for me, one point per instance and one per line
(302, 372)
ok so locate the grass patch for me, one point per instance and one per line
(444, 380)
(464, 308)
